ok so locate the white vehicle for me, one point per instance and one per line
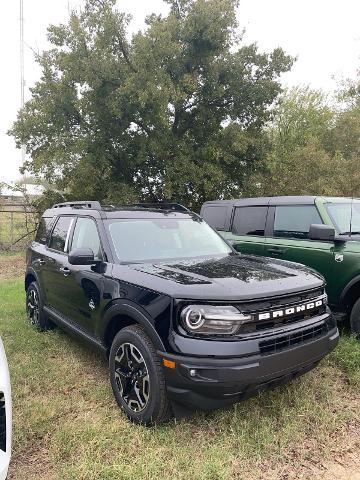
(5, 415)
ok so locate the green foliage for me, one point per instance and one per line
(175, 113)
(315, 148)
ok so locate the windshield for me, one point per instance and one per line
(140, 240)
(342, 217)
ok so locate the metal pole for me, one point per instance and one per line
(22, 78)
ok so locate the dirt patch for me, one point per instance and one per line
(12, 265)
(32, 464)
(346, 463)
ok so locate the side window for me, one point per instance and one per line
(294, 221)
(249, 221)
(59, 237)
(43, 230)
(215, 216)
(86, 236)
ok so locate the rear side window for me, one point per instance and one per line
(60, 234)
(43, 230)
(249, 221)
(294, 221)
(215, 216)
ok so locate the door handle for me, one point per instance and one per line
(276, 250)
(65, 270)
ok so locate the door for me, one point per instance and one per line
(83, 285)
(55, 269)
(248, 229)
(289, 239)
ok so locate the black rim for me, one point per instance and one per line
(32, 307)
(132, 377)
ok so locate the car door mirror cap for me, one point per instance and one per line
(82, 256)
(321, 232)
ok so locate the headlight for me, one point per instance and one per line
(212, 320)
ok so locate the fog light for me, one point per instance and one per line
(192, 372)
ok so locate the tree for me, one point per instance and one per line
(315, 148)
(344, 140)
(297, 163)
(175, 113)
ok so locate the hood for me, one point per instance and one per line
(234, 277)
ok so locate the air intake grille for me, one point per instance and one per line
(285, 341)
(2, 423)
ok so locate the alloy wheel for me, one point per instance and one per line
(132, 377)
(32, 305)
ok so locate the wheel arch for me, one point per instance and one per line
(121, 315)
(350, 294)
(30, 276)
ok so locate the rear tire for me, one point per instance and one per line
(137, 378)
(355, 318)
(34, 309)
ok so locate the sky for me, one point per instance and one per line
(324, 35)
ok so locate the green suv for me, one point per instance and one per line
(321, 232)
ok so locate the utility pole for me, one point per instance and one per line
(22, 77)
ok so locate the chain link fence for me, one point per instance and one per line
(17, 225)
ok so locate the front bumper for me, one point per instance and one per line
(5, 415)
(208, 383)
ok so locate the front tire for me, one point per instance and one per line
(137, 378)
(355, 318)
(34, 309)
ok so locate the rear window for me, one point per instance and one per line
(249, 221)
(215, 216)
(43, 230)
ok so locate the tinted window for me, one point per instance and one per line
(294, 221)
(215, 216)
(60, 233)
(43, 230)
(86, 236)
(249, 221)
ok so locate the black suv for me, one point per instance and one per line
(186, 321)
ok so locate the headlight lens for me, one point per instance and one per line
(212, 319)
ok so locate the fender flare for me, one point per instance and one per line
(127, 308)
(31, 271)
(347, 287)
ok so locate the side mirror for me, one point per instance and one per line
(322, 232)
(232, 243)
(82, 256)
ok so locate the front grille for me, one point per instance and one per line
(285, 341)
(281, 304)
(257, 326)
(2, 423)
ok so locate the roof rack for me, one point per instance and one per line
(161, 205)
(91, 205)
(94, 205)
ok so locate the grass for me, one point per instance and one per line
(67, 425)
